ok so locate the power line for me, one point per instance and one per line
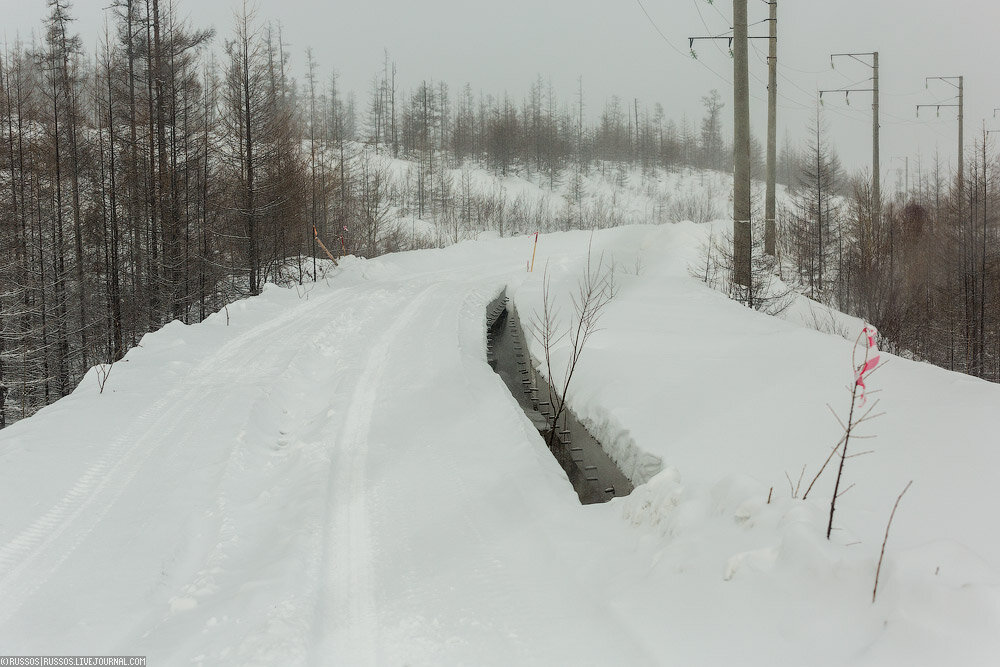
(719, 12)
(790, 103)
(809, 94)
(713, 38)
(798, 104)
(671, 45)
(705, 23)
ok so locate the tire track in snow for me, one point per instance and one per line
(349, 592)
(293, 611)
(31, 557)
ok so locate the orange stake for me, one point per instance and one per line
(533, 250)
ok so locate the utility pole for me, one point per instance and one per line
(876, 177)
(982, 286)
(876, 164)
(967, 259)
(770, 232)
(742, 234)
(903, 187)
(961, 126)
(742, 229)
(981, 365)
(638, 152)
(961, 142)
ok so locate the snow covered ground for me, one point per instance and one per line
(333, 475)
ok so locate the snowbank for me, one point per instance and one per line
(333, 475)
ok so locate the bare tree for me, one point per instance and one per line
(594, 292)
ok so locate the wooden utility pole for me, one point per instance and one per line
(876, 170)
(636, 106)
(961, 126)
(967, 258)
(770, 232)
(742, 234)
(982, 286)
(961, 143)
(980, 358)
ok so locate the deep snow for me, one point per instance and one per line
(334, 475)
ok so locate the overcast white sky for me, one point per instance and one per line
(503, 46)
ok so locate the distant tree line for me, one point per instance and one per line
(927, 273)
(164, 175)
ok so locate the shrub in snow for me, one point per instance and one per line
(766, 292)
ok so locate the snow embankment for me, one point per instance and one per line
(730, 400)
(333, 475)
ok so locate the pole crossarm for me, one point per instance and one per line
(847, 93)
(938, 107)
(855, 56)
(729, 38)
(959, 83)
(955, 81)
(947, 79)
(868, 59)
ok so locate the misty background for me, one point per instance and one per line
(618, 50)
(170, 172)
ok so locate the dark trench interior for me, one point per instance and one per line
(594, 476)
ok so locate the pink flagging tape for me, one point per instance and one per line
(871, 360)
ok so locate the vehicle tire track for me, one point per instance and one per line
(35, 553)
(294, 608)
(348, 598)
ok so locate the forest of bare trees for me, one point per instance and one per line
(173, 170)
(926, 274)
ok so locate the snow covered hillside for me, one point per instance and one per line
(462, 203)
(333, 475)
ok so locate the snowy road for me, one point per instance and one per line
(333, 475)
(333, 479)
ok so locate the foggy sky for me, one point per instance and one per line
(504, 46)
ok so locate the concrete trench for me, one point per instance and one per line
(595, 477)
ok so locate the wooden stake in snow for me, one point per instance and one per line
(533, 250)
(323, 246)
(878, 570)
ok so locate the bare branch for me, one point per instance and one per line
(870, 451)
(823, 467)
(877, 368)
(798, 485)
(836, 416)
(892, 516)
(869, 418)
(851, 486)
